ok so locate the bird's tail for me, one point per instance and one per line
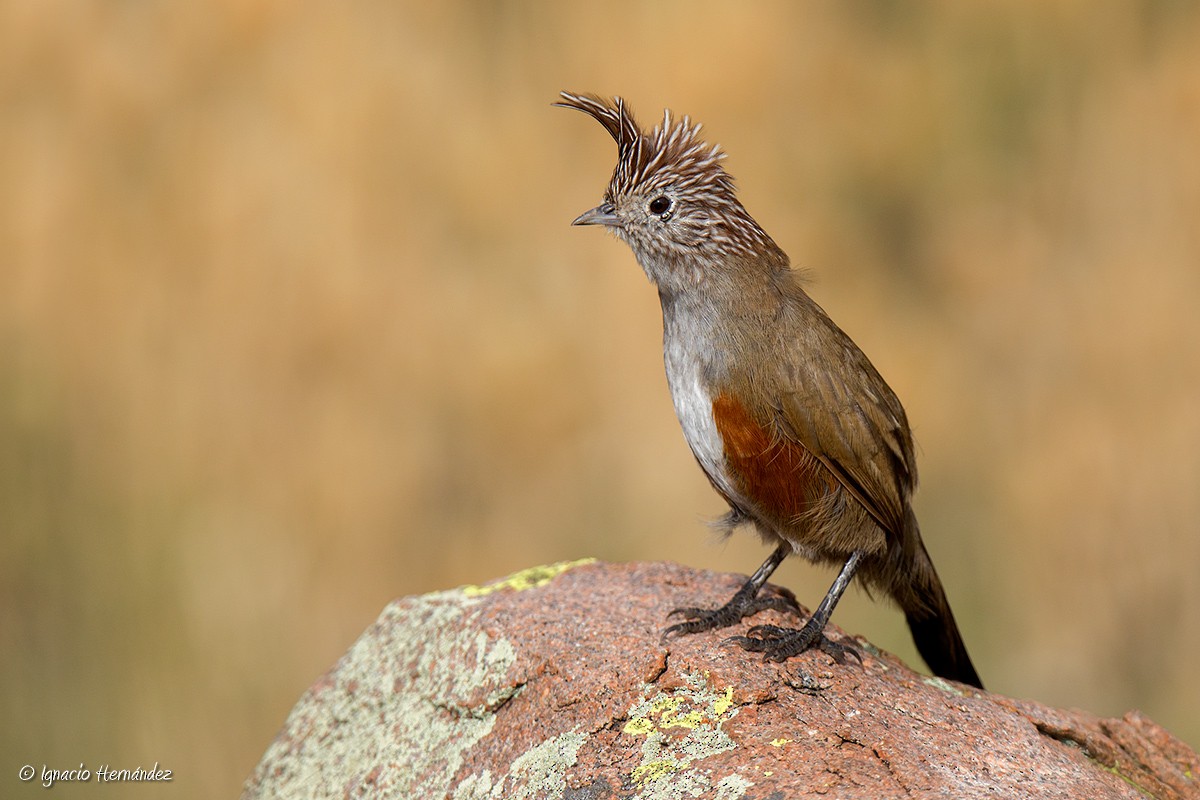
(937, 638)
(921, 596)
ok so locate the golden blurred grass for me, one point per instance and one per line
(292, 323)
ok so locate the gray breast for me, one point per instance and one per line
(685, 340)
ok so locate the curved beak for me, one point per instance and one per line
(600, 215)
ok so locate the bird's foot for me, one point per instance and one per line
(739, 607)
(780, 644)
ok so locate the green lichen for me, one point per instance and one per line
(384, 705)
(537, 774)
(1142, 790)
(732, 787)
(945, 686)
(527, 578)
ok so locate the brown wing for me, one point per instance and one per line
(841, 410)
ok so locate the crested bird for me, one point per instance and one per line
(789, 420)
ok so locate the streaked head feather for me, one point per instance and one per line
(673, 159)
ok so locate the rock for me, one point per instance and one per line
(553, 684)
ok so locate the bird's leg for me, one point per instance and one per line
(743, 604)
(780, 644)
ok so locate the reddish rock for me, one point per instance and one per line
(553, 684)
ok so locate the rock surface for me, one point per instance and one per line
(553, 684)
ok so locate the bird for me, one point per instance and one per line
(788, 419)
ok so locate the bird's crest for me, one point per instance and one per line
(674, 145)
(674, 161)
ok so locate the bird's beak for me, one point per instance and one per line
(600, 215)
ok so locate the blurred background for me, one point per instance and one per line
(292, 323)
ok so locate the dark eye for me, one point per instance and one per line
(660, 205)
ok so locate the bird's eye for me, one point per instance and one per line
(660, 205)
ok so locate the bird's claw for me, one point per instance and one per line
(705, 619)
(779, 644)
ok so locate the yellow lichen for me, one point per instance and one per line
(653, 770)
(639, 726)
(723, 703)
(671, 719)
(527, 578)
(668, 709)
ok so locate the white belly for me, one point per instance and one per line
(693, 406)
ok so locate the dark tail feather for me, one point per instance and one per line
(937, 638)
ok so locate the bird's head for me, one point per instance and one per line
(671, 200)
